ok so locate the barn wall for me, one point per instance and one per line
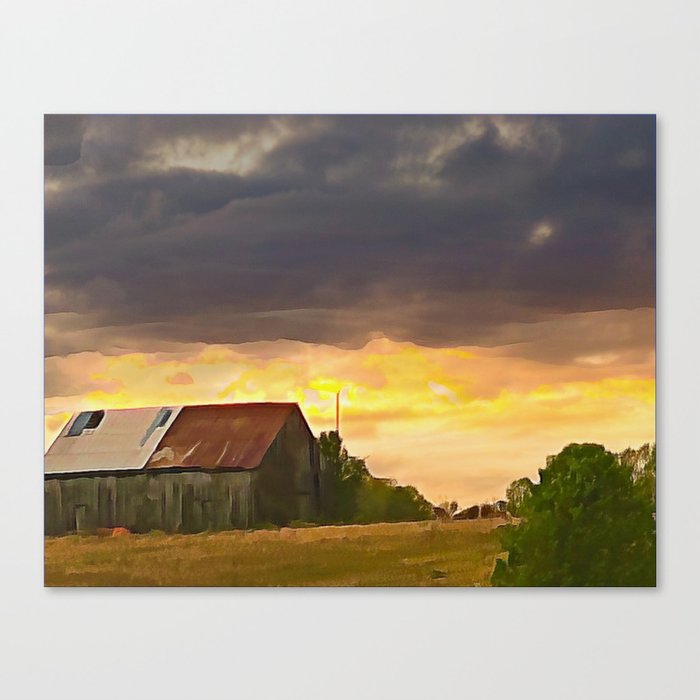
(170, 501)
(287, 487)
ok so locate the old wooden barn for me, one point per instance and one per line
(182, 469)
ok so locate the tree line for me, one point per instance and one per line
(350, 494)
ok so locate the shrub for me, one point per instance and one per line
(588, 522)
(488, 510)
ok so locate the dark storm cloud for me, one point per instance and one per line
(63, 137)
(439, 230)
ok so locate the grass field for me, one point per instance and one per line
(460, 553)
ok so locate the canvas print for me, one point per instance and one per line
(350, 350)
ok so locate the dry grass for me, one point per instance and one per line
(431, 553)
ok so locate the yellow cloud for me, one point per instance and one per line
(457, 423)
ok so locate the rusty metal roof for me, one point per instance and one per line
(122, 439)
(221, 436)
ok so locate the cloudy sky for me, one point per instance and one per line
(482, 288)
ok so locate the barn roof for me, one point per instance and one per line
(123, 439)
(219, 436)
(228, 436)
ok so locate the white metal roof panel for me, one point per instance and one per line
(124, 439)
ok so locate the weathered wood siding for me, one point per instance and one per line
(287, 486)
(191, 501)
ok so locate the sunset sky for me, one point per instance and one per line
(480, 288)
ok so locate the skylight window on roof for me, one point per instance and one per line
(86, 420)
(158, 422)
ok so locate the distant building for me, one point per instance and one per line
(182, 469)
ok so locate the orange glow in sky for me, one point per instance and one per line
(458, 423)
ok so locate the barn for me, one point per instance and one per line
(182, 469)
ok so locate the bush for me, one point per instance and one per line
(589, 522)
(472, 512)
(487, 510)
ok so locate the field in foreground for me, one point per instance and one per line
(460, 553)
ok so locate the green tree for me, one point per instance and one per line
(341, 479)
(383, 501)
(516, 494)
(645, 472)
(588, 522)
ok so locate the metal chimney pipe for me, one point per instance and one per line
(337, 412)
